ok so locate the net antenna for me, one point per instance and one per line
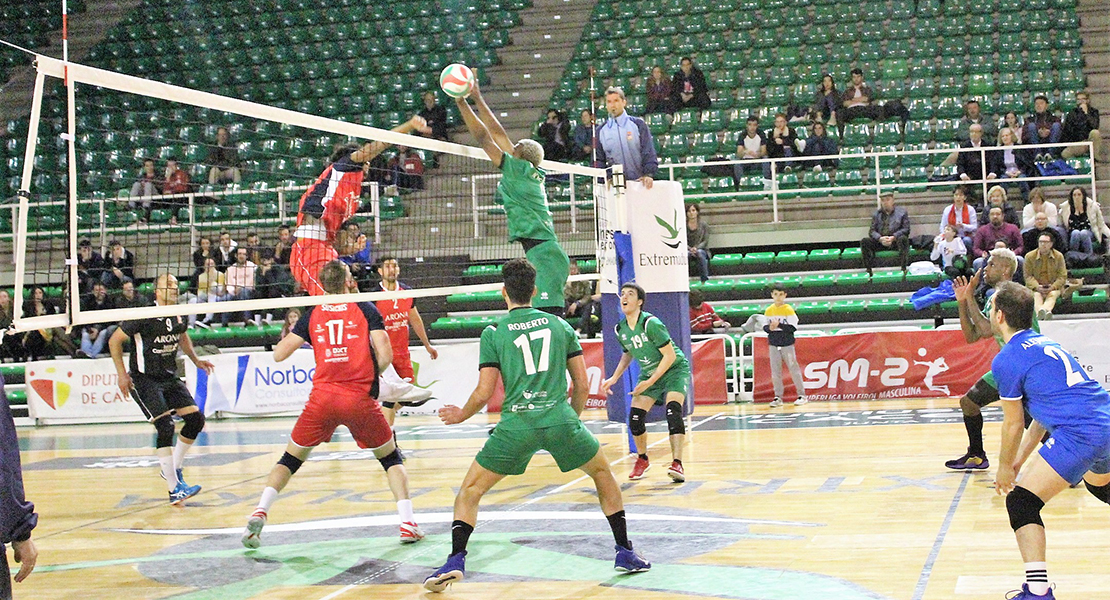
(467, 161)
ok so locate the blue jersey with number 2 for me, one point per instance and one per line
(1058, 392)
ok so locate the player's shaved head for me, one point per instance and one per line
(520, 281)
(333, 277)
(530, 150)
(1015, 302)
(165, 289)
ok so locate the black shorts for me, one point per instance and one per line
(156, 396)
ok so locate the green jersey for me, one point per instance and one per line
(521, 189)
(531, 348)
(644, 341)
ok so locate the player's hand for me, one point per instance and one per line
(1004, 479)
(606, 387)
(973, 283)
(432, 352)
(647, 181)
(124, 380)
(475, 92)
(205, 365)
(640, 388)
(451, 415)
(419, 123)
(960, 287)
(25, 554)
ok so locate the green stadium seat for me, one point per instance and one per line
(791, 256)
(884, 305)
(824, 254)
(758, 258)
(848, 306)
(819, 280)
(726, 260)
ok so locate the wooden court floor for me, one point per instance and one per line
(838, 501)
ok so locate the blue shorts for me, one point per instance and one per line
(1072, 455)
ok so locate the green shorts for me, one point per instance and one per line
(552, 269)
(670, 382)
(507, 451)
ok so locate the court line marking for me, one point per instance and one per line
(520, 506)
(927, 569)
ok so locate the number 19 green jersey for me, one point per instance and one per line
(531, 349)
(644, 341)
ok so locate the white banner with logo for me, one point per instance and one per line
(657, 220)
(1086, 340)
(86, 391)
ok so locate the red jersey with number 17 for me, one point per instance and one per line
(340, 338)
(395, 315)
(334, 197)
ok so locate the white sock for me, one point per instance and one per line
(179, 450)
(268, 496)
(1036, 577)
(404, 508)
(165, 461)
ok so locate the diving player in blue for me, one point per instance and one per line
(1062, 400)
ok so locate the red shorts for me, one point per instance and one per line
(327, 409)
(306, 259)
(402, 363)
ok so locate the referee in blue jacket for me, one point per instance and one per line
(17, 515)
(626, 140)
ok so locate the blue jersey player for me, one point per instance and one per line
(1063, 401)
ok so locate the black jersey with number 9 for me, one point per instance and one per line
(154, 344)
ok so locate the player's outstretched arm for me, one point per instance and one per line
(626, 359)
(579, 383)
(1013, 424)
(1029, 443)
(500, 137)
(371, 149)
(187, 348)
(480, 132)
(115, 347)
(288, 344)
(487, 382)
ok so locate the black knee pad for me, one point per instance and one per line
(637, 421)
(194, 423)
(1102, 493)
(1024, 508)
(676, 425)
(389, 405)
(392, 459)
(291, 462)
(164, 426)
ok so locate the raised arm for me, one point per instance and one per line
(371, 149)
(490, 120)
(481, 133)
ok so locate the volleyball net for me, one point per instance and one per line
(157, 179)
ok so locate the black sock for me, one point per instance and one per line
(619, 526)
(460, 535)
(974, 426)
(678, 460)
(644, 456)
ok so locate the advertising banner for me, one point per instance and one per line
(1085, 339)
(880, 365)
(77, 390)
(251, 383)
(657, 220)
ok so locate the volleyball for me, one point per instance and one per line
(456, 80)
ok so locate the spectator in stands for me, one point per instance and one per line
(857, 100)
(210, 288)
(201, 255)
(974, 116)
(1082, 216)
(1037, 204)
(583, 304)
(146, 185)
(827, 101)
(752, 146)
(240, 283)
(950, 254)
(627, 140)
(1042, 117)
(223, 160)
(969, 164)
(291, 317)
(177, 182)
(1041, 225)
(988, 236)
(1045, 274)
(961, 215)
(703, 319)
(411, 174)
(697, 241)
(272, 281)
(997, 198)
(820, 144)
(129, 297)
(90, 265)
(583, 143)
(435, 116)
(225, 252)
(357, 251)
(782, 142)
(120, 267)
(44, 343)
(94, 337)
(658, 91)
(890, 230)
(1010, 161)
(284, 246)
(1013, 122)
(1042, 136)
(254, 247)
(554, 134)
(12, 344)
(1081, 125)
(688, 88)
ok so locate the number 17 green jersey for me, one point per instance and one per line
(531, 349)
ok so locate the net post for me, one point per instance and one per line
(281, 202)
(573, 206)
(71, 197)
(19, 240)
(193, 233)
(474, 204)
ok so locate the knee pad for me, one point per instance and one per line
(1102, 493)
(676, 425)
(1024, 508)
(194, 423)
(164, 426)
(392, 459)
(291, 462)
(637, 424)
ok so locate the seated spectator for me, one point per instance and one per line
(1041, 226)
(435, 116)
(90, 265)
(1012, 121)
(997, 197)
(272, 281)
(1045, 274)
(225, 251)
(129, 297)
(1042, 117)
(857, 100)
(283, 249)
(120, 266)
(688, 88)
(582, 304)
(1038, 144)
(950, 254)
(961, 215)
(782, 142)
(1010, 161)
(291, 317)
(820, 144)
(146, 185)
(411, 174)
(95, 337)
(1082, 216)
(11, 344)
(1081, 125)
(254, 247)
(752, 146)
(890, 230)
(554, 135)
(697, 241)
(988, 236)
(703, 319)
(223, 160)
(44, 343)
(658, 91)
(974, 116)
(827, 101)
(969, 163)
(1037, 204)
(240, 278)
(583, 142)
(200, 256)
(211, 287)
(357, 251)
(177, 182)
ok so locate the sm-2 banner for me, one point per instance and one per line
(879, 365)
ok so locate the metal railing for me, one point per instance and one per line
(478, 208)
(732, 357)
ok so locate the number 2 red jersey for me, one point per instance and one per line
(334, 197)
(395, 315)
(340, 338)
